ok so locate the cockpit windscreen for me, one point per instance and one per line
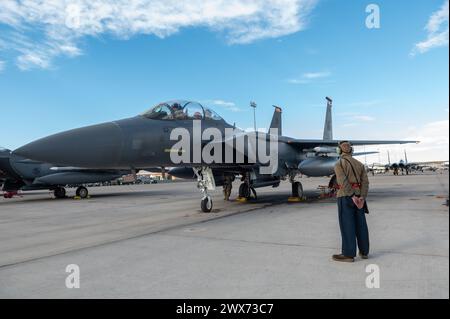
(181, 110)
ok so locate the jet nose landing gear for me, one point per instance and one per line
(206, 204)
(206, 182)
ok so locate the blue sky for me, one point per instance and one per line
(383, 84)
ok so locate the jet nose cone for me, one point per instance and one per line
(97, 146)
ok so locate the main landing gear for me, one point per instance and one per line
(246, 190)
(297, 189)
(205, 182)
(333, 186)
(60, 192)
(82, 192)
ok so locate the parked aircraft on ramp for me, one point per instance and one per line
(152, 139)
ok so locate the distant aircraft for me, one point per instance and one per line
(376, 168)
(18, 173)
(145, 141)
(407, 167)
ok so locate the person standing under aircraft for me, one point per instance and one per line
(396, 171)
(353, 187)
(227, 186)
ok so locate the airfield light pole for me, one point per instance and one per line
(253, 105)
(365, 155)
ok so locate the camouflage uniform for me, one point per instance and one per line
(227, 187)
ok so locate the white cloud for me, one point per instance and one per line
(2, 65)
(363, 118)
(369, 103)
(437, 29)
(432, 136)
(47, 29)
(309, 77)
(433, 146)
(356, 119)
(316, 75)
(227, 105)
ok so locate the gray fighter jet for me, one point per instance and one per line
(148, 140)
(23, 174)
(407, 167)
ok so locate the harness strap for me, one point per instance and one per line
(352, 185)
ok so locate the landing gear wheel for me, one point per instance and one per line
(333, 183)
(82, 192)
(205, 182)
(244, 191)
(297, 190)
(60, 192)
(206, 204)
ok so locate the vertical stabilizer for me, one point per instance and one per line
(328, 128)
(276, 119)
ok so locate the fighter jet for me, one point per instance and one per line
(153, 139)
(23, 174)
(406, 167)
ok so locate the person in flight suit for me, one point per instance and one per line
(178, 113)
(227, 186)
(353, 187)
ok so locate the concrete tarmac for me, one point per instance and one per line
(152, 241)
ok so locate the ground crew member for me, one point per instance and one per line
(353, 187)
(227, 186)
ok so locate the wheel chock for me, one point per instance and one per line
(79, 198)
(295, 199)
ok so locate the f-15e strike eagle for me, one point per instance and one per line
(158, 138)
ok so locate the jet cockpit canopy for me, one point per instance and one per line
(181, 110)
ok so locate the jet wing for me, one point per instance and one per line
(306, 143)
(364, 153)
(427, 163)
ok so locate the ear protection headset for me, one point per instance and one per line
(339, 148)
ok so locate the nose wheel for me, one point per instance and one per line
(206, 204)
(205, 182)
